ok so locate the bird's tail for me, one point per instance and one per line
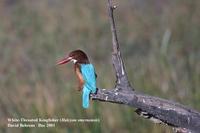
(85, 98)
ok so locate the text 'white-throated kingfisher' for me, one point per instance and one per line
(85, 73)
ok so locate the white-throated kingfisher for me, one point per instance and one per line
(85, 73)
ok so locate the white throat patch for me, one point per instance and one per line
(72, 60)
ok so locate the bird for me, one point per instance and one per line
(85, 73)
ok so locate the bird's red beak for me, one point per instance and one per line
(64, 61)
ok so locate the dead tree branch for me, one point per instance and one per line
(163, 111)
(121, 76)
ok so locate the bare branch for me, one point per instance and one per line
(181, 118)
(122, 79)
(113, 27)
(168, 112)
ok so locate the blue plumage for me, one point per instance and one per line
(89, 77)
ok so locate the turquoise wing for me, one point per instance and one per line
(89, 77)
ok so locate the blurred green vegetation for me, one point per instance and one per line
(160, 43)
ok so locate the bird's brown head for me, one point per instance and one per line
(76, 56)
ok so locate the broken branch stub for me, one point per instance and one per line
(121, 75)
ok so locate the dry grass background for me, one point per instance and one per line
(160, 43)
